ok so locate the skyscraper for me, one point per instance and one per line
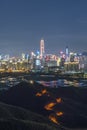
(42, 48)
(67, 51)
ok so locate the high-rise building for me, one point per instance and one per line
(23, 56)
(42, 50)
(67, 51)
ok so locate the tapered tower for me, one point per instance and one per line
(42, 49)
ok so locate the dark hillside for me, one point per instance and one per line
(63, 106)
(12, 118)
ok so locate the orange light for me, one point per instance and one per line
(53, 119)
(50, 106)
(38, 94)
(59, 113)
(59, 100)
(44, 91)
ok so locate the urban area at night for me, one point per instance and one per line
(41, 61)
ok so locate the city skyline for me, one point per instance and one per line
(23, 23)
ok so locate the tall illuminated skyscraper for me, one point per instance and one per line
(42, 48)
(67, 51)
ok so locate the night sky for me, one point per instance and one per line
(59, 22)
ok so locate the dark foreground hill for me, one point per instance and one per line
(15, 118)
(64, 106)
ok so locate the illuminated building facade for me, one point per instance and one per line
(42, 49)
(67, 53)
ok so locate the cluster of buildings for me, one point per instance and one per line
(41, 61)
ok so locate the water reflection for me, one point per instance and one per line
(64, 83)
